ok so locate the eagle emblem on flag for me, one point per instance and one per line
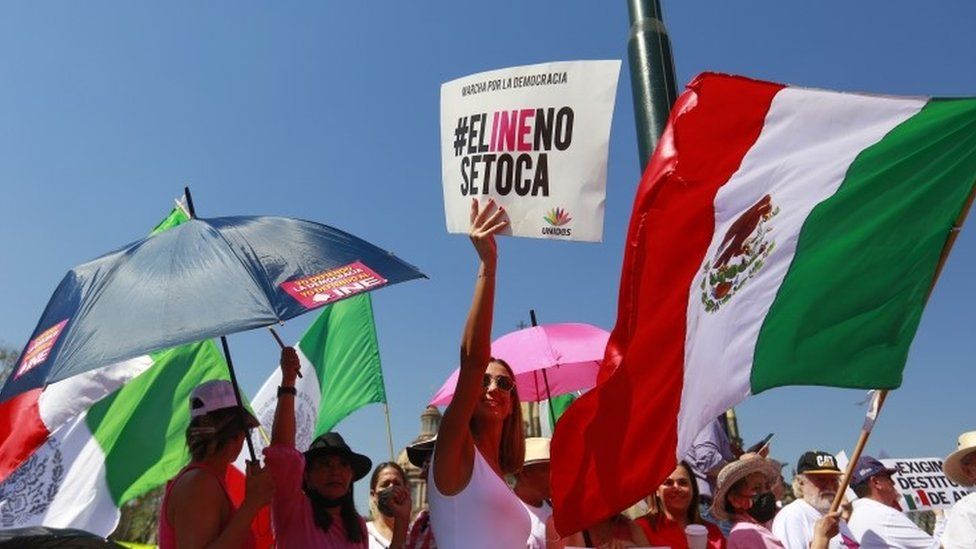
(741, 254)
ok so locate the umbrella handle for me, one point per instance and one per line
(237, 395)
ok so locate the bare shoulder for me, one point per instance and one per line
(196, 486)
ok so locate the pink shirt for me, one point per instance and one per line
(291, 511)
(751, 535)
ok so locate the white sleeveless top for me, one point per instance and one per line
(486, 514)
(539, 516)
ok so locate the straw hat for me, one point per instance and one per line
(952, 466)
(736, 471)
(536, 450)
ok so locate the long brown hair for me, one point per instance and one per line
(511, 449)
(655, 507)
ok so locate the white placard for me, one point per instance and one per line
(923, 485)
(534, 139)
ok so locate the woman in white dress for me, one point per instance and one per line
(480, 439)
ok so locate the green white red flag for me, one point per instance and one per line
(340, 360)
(109, 436)
(780, 236)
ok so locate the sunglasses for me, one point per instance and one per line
(503, 382)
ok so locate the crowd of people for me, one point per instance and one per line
(489, 485)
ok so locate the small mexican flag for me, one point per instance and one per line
(780, 236)
(340, 360)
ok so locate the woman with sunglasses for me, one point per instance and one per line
(480, 438)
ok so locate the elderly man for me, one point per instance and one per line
(960, 467)
(877, 521)
(814, 485)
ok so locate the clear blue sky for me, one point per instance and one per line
(329, 111)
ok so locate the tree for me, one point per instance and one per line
(8, 359)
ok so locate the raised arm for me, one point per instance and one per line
(283, 430)
(454, 438)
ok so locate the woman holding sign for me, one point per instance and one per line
(480, 437)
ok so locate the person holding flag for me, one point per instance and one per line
(313, 504)
(480, 437)
(197, 510)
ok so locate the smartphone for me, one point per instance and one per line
(761, 444)
(383, 499)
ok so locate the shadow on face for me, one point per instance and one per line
(329, 475)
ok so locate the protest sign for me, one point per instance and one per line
(533, 138)
(923, 484)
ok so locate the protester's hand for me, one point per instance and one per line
(289, 366)
(400, 503)
(826, 527)
(258, 486)
(485, 223)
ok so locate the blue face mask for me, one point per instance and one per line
(763, 507)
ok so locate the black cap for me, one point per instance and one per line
(816, 462)
(332, 444)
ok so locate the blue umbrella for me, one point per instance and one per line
(202, 279)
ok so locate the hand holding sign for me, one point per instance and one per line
(484, 224)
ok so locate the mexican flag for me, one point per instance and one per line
(108, 436)
(780, 236)
(30, 418)
(120, 448)
(340, 360)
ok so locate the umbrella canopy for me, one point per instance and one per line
(38, 537)
(202, 279)
(569, 354)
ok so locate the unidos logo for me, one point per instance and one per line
(556, 218)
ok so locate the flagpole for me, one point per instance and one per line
(281, 343)
(883, 393)
(389, 430)
(861, 442)
(651, 74)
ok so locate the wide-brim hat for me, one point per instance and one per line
(536, 450)
(952, 466)
(736, 471)
(332, 444)
(419, 452)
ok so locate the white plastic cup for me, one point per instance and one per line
(697, 536)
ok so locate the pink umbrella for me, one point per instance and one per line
(568, 354)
